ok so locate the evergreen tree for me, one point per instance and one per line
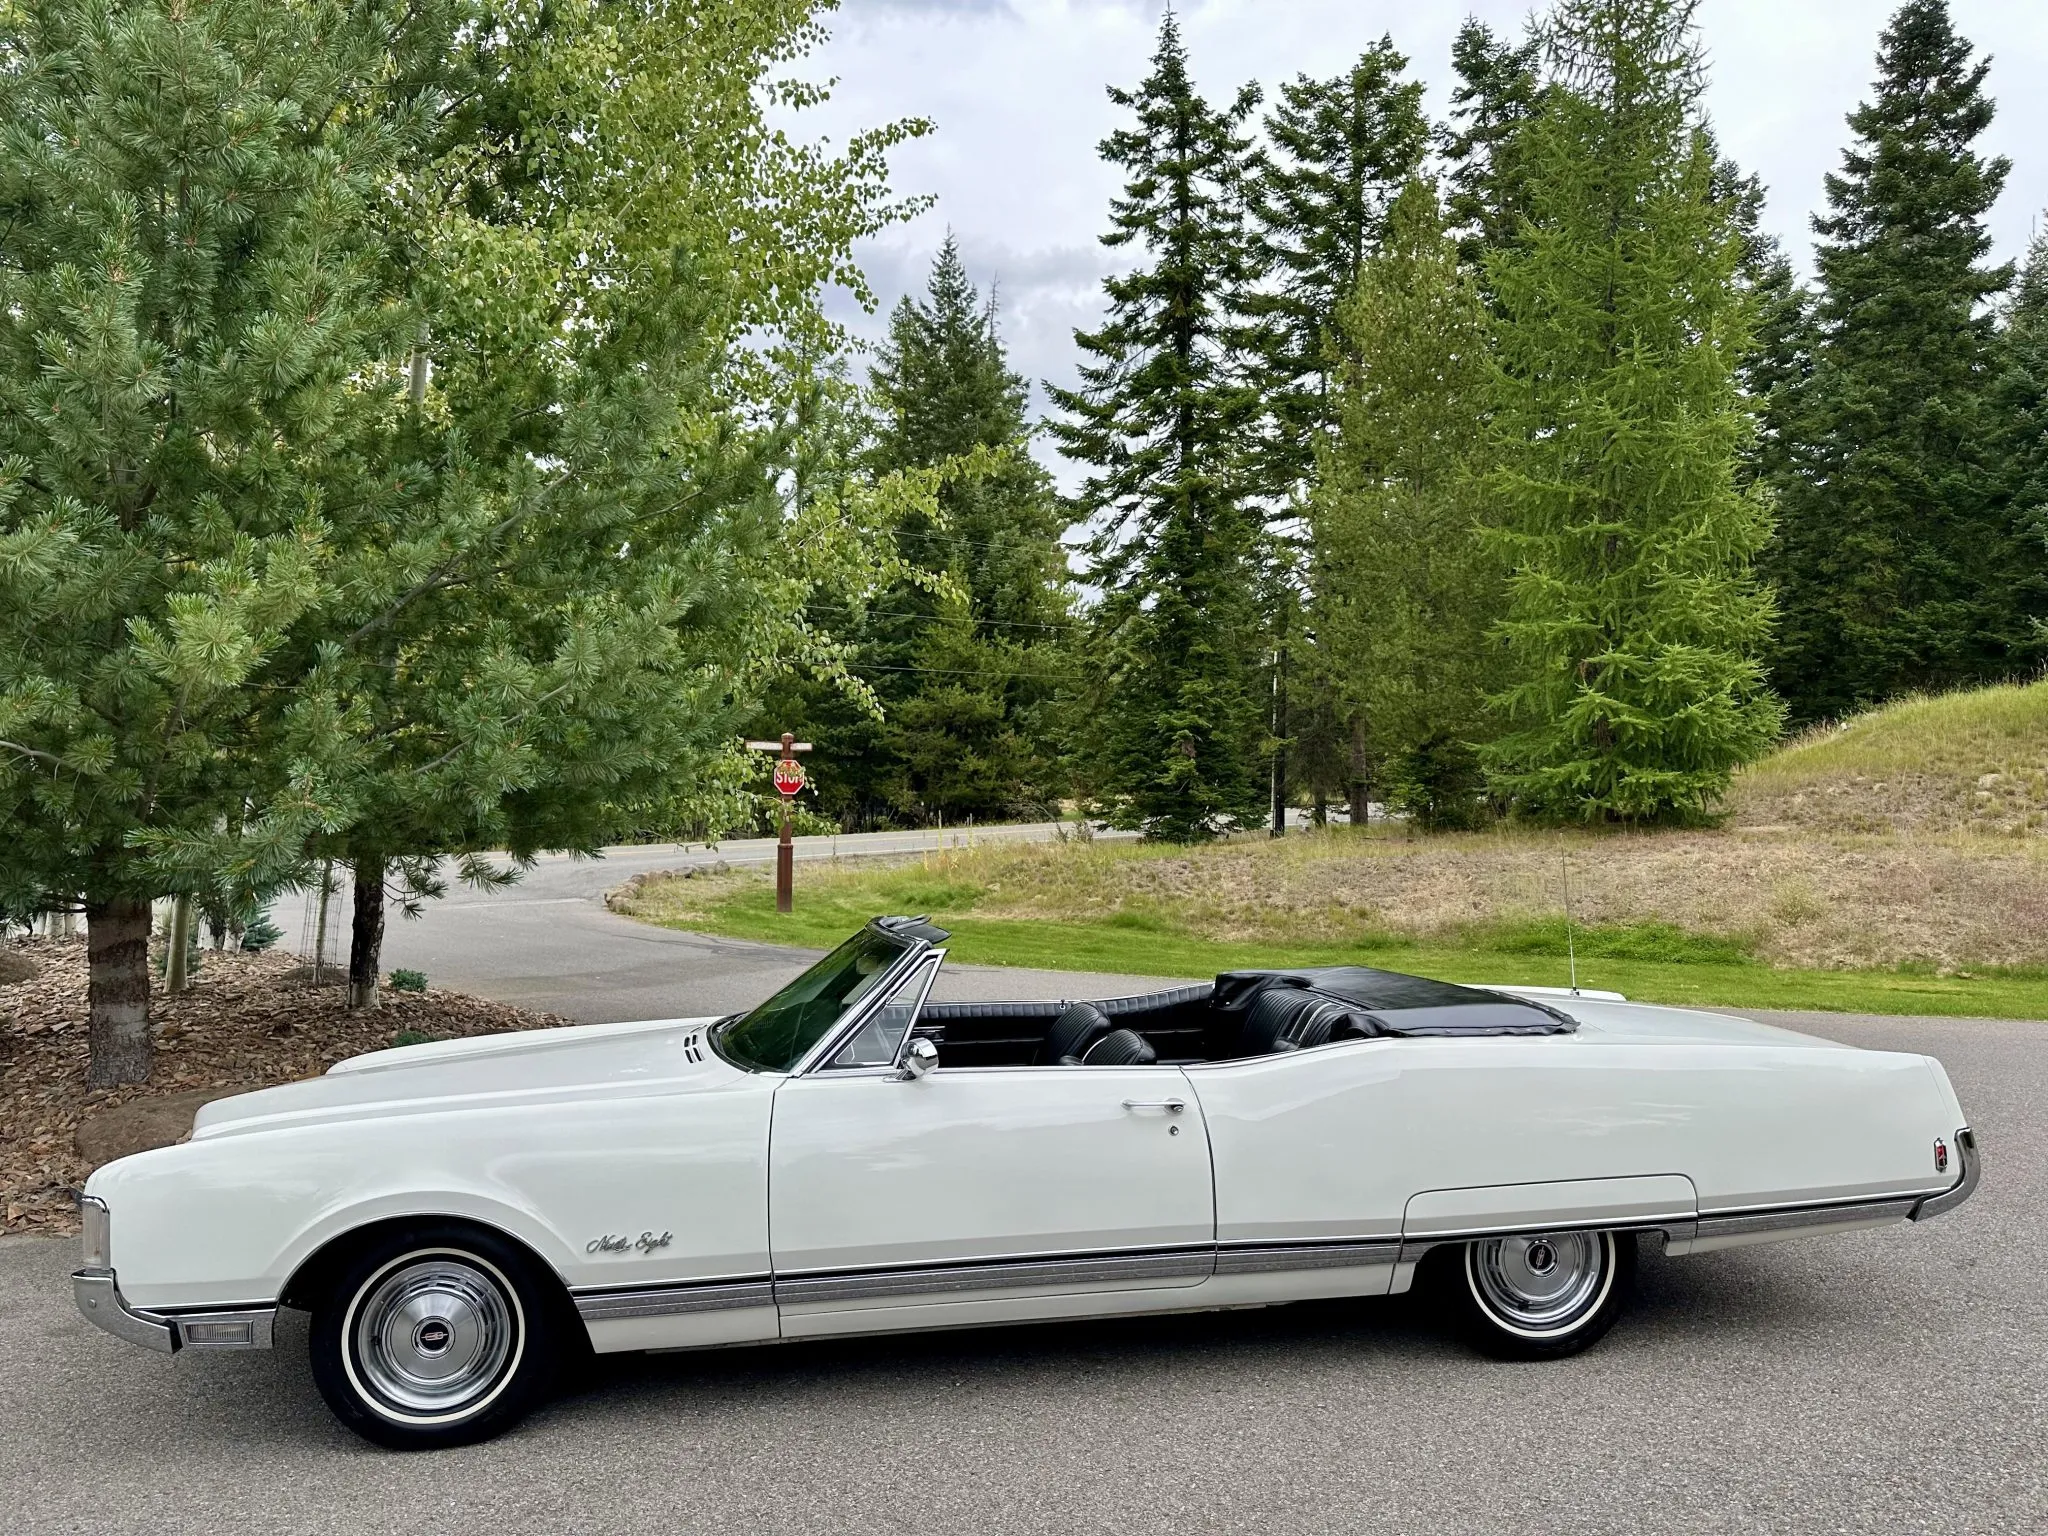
(2020, 401)
(1896, 563)
(187, 287)
(1407, 590)
(1163, 420)
(1633, 622)
(962, 667)
(1498, 94)
(1339, 151)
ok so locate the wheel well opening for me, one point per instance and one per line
(318, 1272)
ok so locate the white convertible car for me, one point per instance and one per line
(461, 1217)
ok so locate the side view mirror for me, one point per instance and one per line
(919, 1057)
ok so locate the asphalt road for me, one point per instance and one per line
(549, 943)
(1881, 1382)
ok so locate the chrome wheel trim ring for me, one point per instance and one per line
(1541, 1285)
(433, 1337)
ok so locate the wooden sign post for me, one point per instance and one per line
(789, 782)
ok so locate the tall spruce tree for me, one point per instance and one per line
(1338, 152)
(188, 285)
(962, 668)
(2020, 400)
(1634, 625)
(1498, 94)
(1163, 420)
(1896, 563)
(1406, 588)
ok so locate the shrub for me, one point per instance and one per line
(408, 981)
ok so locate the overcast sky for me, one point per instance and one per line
(1015, 89)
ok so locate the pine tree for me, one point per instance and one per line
(1339, 151)
(1163, 420)
(1633, 624)
(2020, 401)
(187, 287)
(1406, 589)
(1498, 94)
(962, 668)
(1896, 564)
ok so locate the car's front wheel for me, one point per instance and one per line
(1543, 1295)
(435, 1336)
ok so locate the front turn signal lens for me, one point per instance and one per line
(93, 1217)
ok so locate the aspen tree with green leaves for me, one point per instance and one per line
(1634, 627)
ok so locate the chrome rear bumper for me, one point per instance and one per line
(1966, 1182)
(100, 1302)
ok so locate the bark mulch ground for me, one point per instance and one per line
(247, 1021)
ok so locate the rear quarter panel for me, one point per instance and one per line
(1334, 1142)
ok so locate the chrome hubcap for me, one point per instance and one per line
(1544, 1284)
(434, 1335)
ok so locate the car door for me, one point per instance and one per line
(1019, 1183)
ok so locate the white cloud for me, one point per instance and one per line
(1016, 89)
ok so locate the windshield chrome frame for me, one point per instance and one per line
(919, 980)
(914, 953)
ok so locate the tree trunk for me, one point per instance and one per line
(1359, 786)
(366, 932)
(178, 946)
(320, 927)
(117, 991)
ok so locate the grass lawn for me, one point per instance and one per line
(1649, 961)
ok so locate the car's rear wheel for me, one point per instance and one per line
(1538, 1296)
(436, 1335)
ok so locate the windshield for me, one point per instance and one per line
(775, 1036)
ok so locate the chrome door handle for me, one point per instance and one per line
(1171, 1106)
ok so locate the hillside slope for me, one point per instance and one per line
(1975, 761)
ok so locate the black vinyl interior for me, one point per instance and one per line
(1240, 1014)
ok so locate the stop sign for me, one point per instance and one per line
(789, 775)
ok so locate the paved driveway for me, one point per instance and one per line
(1882, 1382)
(549, 942)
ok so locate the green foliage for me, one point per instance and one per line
(407, 981)
(568, 552)
(962, 654)
(1406, 588)
(1634, 626)
(259, 934)
(1498, 94)
(1898, 562)
(2019, 401)
(1338, 152)
(189, 290)
(1162, 419)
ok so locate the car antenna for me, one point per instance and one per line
(1571, 951)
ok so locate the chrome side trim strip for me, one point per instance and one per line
(1015, 1274)
(1790, 1218)
(1274, 1258)
(1966, 1183)
(99, 1303)
(668, 1300)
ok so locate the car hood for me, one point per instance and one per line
(527, 1066)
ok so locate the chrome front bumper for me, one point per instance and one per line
(100, 1302)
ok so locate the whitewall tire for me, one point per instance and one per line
(1539, 1296)
(436, 1335)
